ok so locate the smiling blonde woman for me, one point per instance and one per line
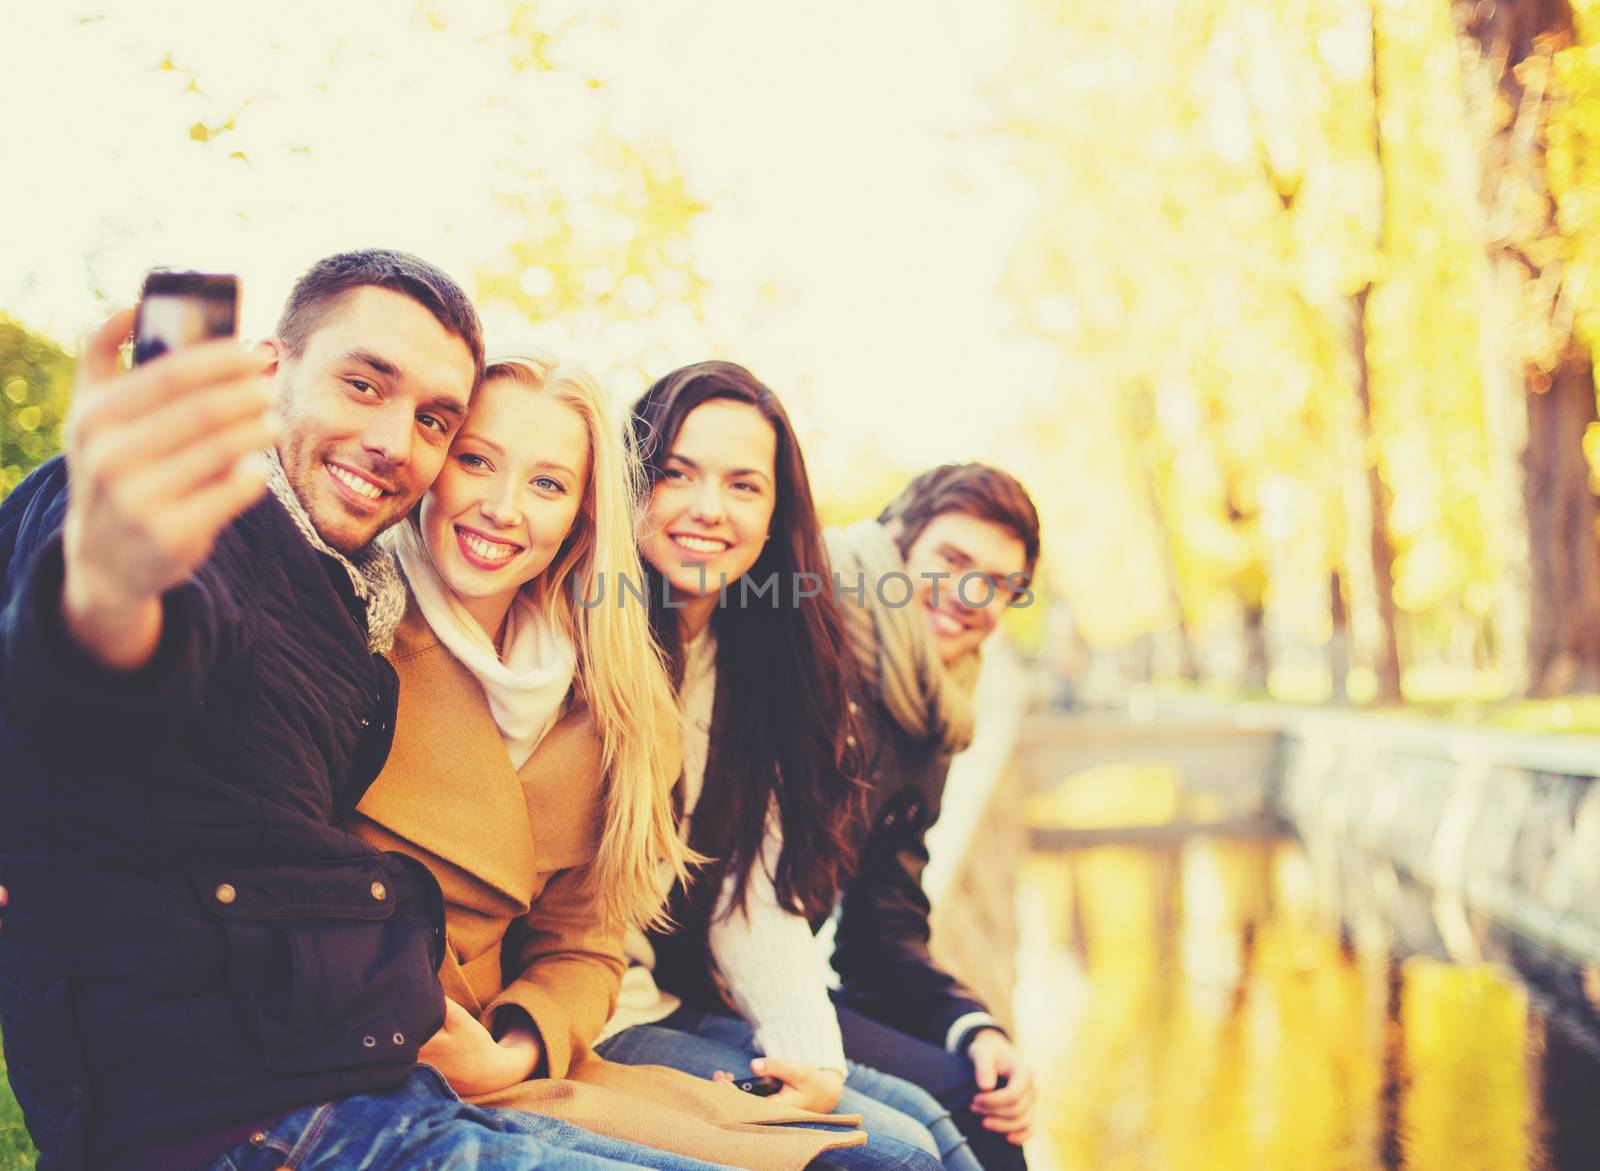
(534, 752)
(539, 467)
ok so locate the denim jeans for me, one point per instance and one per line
(423, 1126)
(947, 1077)
(893, 1111)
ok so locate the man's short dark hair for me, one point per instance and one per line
(973, 489)
(325, 283)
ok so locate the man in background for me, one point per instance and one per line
(967, 536)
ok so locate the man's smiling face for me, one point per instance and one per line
(980, 562)
(369, 410)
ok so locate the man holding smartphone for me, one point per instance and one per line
(197, 969)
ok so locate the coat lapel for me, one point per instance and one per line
(563, 784)
(448, 786)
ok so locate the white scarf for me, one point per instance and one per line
(527, 683)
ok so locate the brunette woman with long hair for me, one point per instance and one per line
(739, 593)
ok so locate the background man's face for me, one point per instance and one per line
(960, 615)
(369, 410)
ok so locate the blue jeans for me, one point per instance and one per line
(893, 1111)
(423, 1126)
(947, 1077)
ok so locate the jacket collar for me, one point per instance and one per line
(446, 741)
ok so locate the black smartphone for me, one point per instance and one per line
(178, 309)
(761, 1087)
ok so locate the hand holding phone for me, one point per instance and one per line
(160, 461)
(761, 1087)
(805, 1086)
(180, 309)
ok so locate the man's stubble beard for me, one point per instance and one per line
(301, 467)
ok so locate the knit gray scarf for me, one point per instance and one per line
(371, 568)
(898, 661)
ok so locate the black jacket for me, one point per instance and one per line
(191, 943)
(881, 945)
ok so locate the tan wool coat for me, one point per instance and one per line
(512, 852)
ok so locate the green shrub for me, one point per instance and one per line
(16, 1152)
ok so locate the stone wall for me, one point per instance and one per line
(1500, 823)
(1509, 824)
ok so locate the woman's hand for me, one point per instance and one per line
(522, 1039)
(1008, 1110)
(472, 1061)
(805, 1086)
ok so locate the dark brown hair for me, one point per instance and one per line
(322, 286)
(781, 731)
(973, 489)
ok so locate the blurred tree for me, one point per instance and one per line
(1380, 543)
(35, 385)
(1134, 272)
(596, 222)
(611, 257)
(1362, 154)
(1338, 639)
(1528, 148)
(574, 225)
(1228, 224)
(1158, 467)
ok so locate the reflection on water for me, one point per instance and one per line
(1241, 1004)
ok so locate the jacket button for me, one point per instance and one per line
(890, 818)
(379, 891)
(258, 1138)
(225, 893)
(369, 1042)
(914, 808)
(366, 723)
(855, 708)
(399, 1038)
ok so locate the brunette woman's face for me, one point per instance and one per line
(509, 492)
(710, 512)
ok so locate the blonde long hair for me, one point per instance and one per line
(620, 672)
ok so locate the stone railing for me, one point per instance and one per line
(1503, 822)
(1509, 823)
(1221, 776)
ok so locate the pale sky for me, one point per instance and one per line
(859, 216)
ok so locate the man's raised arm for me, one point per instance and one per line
(160, 460)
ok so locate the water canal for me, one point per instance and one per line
(1259, 1002)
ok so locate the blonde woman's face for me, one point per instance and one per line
(509, 493)
(710, 511)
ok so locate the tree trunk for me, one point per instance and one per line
(1140, 414)
(1252, 590)
(1386, 661)
(1563, 615)
(1338, 641)
(1257, 661)
(1188, 662)
(1564, 631)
